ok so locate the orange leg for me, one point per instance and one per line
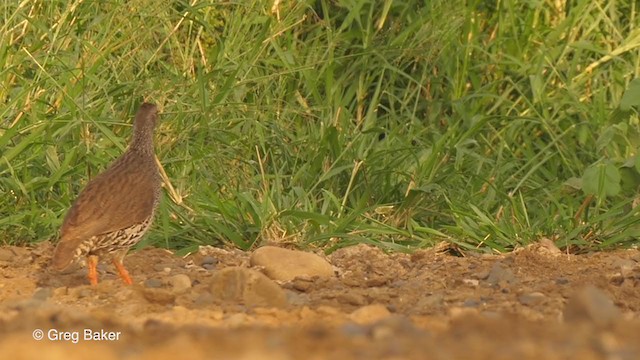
(124, 274)
(92, 264)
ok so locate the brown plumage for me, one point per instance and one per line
(116, 208)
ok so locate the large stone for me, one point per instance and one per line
(500, 275)
(370, 314)
(593, 305)
(180, 283)
(246, 286)
(158, 296)
(285, 265)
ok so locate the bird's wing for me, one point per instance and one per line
(122, 196)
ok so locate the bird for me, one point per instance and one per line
(116, 208)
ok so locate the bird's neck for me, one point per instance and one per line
(142, 141)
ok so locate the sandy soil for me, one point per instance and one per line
(536, 303)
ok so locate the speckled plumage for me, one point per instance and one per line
(116, 208)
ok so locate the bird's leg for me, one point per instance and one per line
(92, 264)
(124, 274)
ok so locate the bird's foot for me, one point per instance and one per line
(124, 274)
(92, 264)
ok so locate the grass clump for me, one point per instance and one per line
(320, 123)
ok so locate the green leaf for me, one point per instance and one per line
(574, 182)
(601, 180)
(631, 96)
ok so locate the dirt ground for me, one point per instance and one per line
(535, 303)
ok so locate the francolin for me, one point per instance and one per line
(116, 208)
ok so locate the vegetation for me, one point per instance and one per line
(486, 124)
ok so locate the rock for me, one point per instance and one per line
(162, 267)
(547, 247)
(326, 310)
(84, 293)
(616, 279)
(428, 303)
(153, 283)
(593, 305)
(204, 299)
(60, 291)
(209, 260)
(532, 298)
(158, 296)
(471, 282)
(352, 330)
(238, 319)
(499, 274)
(6, 254)
(370, 314)
(458, 312)
(627, 267)
(471, 303)
(351, 298)
(376, 281)
(285, 265)
(42, 294)
(393, 326)
(296, 299)
(249, 287)
(180, 283)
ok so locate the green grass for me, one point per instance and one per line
(328, 123)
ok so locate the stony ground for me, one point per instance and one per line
(358, 303)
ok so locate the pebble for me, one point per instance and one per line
(162, 267)
(84, 293)
(376, 281)
(204, 299)
(593, 305)
(351, 298)
(60, 291)
(158, 296)
(458, 312)
(471, 282)
(209, 260)
(153, 283)
(393, 326)
(626, 266)
(247, 286)
(430, 302)
(616, 279)
(285, 265)
(328, 310)
(471, 303)
(532, 298)
(42, 294)
(353, 330)
(296, 299)
(547, 246)
(180, 282)
(499, 274)
(238, 319)
(370, 314)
